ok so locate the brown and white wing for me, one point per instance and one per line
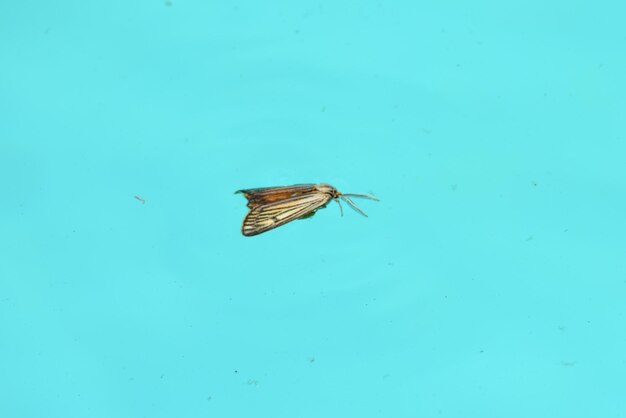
(265, 195)
(263, 218)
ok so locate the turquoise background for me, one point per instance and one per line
(489, 281)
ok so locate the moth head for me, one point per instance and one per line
(329, 190)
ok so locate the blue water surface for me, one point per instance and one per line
(489, 281)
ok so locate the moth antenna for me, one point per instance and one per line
(367, 196)
(353, 205)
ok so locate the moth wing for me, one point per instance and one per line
(265, 217)
(266, 195)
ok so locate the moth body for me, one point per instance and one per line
(271, 207)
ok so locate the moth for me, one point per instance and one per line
(271, 207)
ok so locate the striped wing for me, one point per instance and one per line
(267, 195)
(263, 218)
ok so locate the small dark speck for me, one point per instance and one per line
(297, 31)
(561, 328)
(453, 187)
(530, 238)
(253, 382)
(208, 398)
(311, 359)
(535, 183)
(162, 376)
(568, 363)
(482, 351)
(386, 376)
(236, 371)
(390, 264)
(168, 3)
(565, 230)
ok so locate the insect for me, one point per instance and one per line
(271, 207)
